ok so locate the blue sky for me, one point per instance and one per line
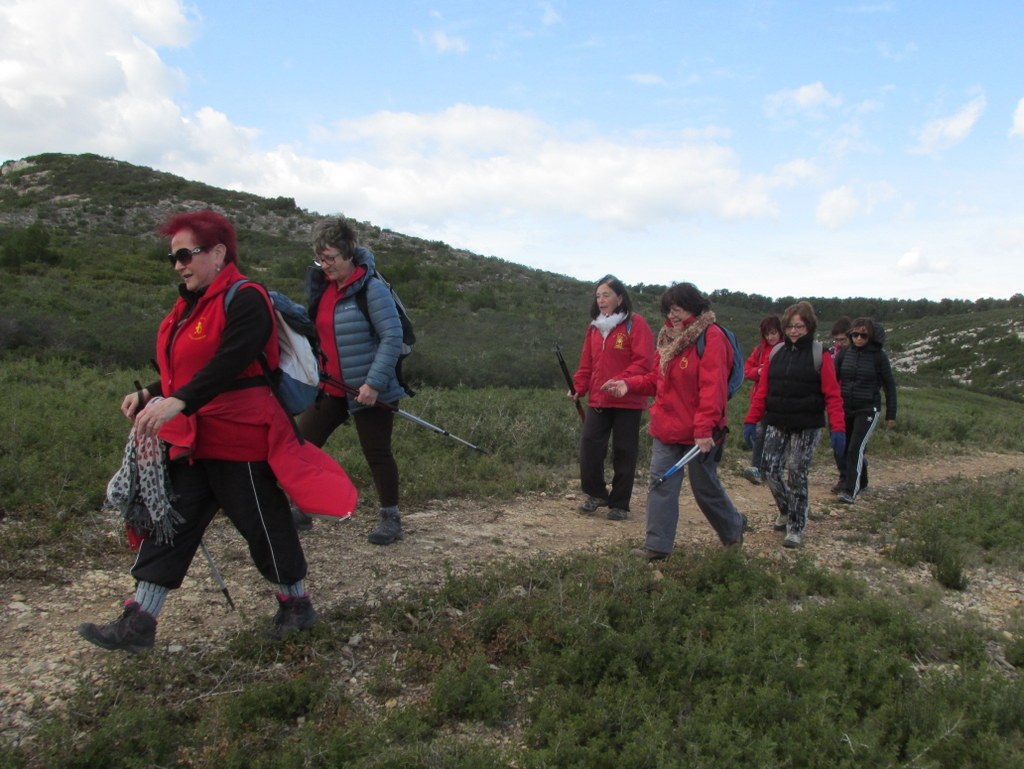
(783, 148)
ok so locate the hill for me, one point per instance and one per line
(83, 278)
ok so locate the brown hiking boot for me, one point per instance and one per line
(133, 631)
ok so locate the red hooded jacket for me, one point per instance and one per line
(691, 393)
(627, 351)
(243, 425)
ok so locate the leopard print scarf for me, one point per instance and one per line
(141, 489)
(672, 341)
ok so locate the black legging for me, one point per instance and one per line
(374, 427)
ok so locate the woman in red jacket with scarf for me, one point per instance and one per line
(619, 344)
(230, 444)
(691, 392)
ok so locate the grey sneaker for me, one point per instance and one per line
(133, 631)
(293, 614)
(793, 540)
(649, 555)
(846, 498)
(753, 475)
(781, 523)
(388, 531)
(303, 521)
(590, 505)
(618, 514)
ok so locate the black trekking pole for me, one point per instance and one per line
(405, 414)
(568, 381)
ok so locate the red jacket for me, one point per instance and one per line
(691, 393)
(244, 425)
(757, 359)
(627, 351)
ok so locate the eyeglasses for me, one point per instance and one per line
(184, 255)
(858, 335)
(321, 259)
(796, 327)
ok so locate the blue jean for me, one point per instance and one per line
(711, 498)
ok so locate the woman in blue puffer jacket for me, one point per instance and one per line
(361, 351)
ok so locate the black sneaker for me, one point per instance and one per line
(618, 514)
(388, 530)
(589, 507)
(293, 614)
(133, 631)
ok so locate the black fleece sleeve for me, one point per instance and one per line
(246, 333)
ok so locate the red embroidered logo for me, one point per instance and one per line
(198, 331)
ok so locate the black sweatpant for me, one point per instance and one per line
(860, 426)
(251, 499)
(623, 427)
(374, 427)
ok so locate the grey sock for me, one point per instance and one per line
(295, 590)
(150, 597)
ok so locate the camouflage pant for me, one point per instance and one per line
(787, 459)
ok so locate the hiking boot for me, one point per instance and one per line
(649, 555)
(133, 631)
(753, 475)
(303, 521)
(618, 514)
(793, 539)
(846, 498)
(389, 530)
(293, 614)
(781, 523)
(590, 505)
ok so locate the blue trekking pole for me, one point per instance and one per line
(716, 436)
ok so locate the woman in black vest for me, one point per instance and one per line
(795, 390)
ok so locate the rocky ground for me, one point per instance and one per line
(42, 658)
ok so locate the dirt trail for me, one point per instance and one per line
(42, 657)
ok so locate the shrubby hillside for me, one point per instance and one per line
(83, 278)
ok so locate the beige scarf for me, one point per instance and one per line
(672, 341)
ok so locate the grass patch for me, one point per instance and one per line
(587, 661)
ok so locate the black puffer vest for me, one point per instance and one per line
(794, 400)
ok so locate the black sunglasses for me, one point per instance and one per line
(184, 255)
(858, 335)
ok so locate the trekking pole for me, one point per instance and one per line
(411, 417)
(716, 436)
(216, 573)
(568, 381)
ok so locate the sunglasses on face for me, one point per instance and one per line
(184, 255)
(858, 335)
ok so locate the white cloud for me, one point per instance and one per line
(837, 207)
(646, 79)
(805, 99)
(914, 262)
(1018, 120)
(549, 16)
(444, 43)
(943, 133)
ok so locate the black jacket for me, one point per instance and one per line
(794, 400)
(862, 373)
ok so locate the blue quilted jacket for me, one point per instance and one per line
(368, 351)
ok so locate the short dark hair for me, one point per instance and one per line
(806, 311)
(867, 324)
(841, 326)
(616, 285)
(770, 323)
(209, 228)
(336, 233)
(687, 296)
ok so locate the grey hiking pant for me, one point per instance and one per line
(787, 459)
(663, 502)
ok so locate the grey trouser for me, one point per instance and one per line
(663, 502)
(787, 458)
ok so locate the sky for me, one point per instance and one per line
(814, 148)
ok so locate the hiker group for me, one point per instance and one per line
(250, 388)
(691, 369)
